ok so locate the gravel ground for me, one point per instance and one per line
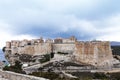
(3, 78)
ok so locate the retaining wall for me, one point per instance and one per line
(16, 76)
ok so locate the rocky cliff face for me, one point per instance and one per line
(96, 53)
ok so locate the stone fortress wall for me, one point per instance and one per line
(32, 47)
(39, 46)
(90, 52)
(7, 75)
(66, 48)
(94, 52)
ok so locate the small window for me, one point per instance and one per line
(29, 43)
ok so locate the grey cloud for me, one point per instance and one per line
(53, 18)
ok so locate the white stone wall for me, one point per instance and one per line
(43, 48)
(39, 49)
(68, 48)
(94, 53)
(8, 44)
(59, 57)
(68, 41)
(7, 75)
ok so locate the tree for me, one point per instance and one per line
(52, 55)
(3, 49)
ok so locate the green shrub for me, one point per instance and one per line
(45, 58)
(16, 68)
(48, 75)
(115, 50)
(99, 76)
(25, 58)
(115, 76)
(3, 49)
(52, 55)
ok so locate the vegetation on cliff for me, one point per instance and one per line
(52, 76)
(96, 76)
(25, 57)
(16, 68)
(80, 75)
(115, 50)
(46, 57)
(3, 49)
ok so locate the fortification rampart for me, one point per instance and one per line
(39, 49)
(15, 76)
(90, 52)
(65, 48)
(95, 53)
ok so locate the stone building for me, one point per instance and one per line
(49, 41)
(8, 44)
(58, 40)
(97, 53)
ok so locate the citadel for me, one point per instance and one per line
(96, 53)
(63, 56)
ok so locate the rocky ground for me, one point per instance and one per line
(1, 78)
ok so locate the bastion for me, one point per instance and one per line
(97, 53)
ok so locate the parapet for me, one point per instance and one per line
(8, 44)
(49, 41)
(58, 40)
(72, 39)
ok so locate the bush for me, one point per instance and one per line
(115, 50)
(3, 49)
(52, 55)
(25, 58)
(99, 76)
(53, 76)
(16, 68)
(48, 75)
(115, 76)
(45, 58)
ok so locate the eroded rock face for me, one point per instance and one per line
(94, 53)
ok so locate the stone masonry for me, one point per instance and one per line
(97, 53)
(7, 75)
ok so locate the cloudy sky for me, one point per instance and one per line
(86, 19)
